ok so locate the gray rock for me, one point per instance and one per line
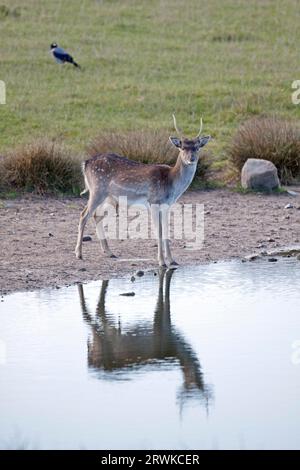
(259, 175)
(289, 206)
(87, 238)
(139, 273)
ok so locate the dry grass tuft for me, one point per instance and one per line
(44, 166)
(269, 138)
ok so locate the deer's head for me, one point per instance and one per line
(189, 148)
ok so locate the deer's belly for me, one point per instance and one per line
(132, 194)
(124, 200)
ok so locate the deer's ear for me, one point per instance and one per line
(202, 141)
(175, 141)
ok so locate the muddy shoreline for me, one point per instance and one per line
(38, 236)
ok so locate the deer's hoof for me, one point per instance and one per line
(174, 264)
(163, 266)
(78, 255)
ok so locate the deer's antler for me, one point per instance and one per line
(200, 130)
(179, 131)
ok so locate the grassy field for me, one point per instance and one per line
(143, 60)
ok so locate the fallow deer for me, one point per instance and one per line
(157, 186)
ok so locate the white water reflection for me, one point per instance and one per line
(207, 366)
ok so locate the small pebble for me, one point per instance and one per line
(128, 294)
(252, 257)
(289, 206)
(139, 273)
(50, 234)
(272, 260)
(132, 278)
(82, 269)
(87, 239)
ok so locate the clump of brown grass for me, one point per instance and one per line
(145, 146)
(269, 138)
(43, 166)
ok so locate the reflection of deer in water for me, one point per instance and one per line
(110, 350)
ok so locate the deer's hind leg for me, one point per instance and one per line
(94, 201)
(101, 235)
(98, 217)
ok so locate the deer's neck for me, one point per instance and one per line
(181, 175)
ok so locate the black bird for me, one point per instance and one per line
(61, 56)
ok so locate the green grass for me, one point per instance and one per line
(8, 195)
(143, 60)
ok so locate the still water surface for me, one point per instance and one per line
(204, 358)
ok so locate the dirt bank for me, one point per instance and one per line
(38, 235)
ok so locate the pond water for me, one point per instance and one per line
(206, 357)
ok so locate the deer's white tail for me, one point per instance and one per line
(86, 189)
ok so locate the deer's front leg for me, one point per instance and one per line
(165, 236)
(157, 222)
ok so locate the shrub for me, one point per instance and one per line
(44, 166)
(269, 138)
(145, 147)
